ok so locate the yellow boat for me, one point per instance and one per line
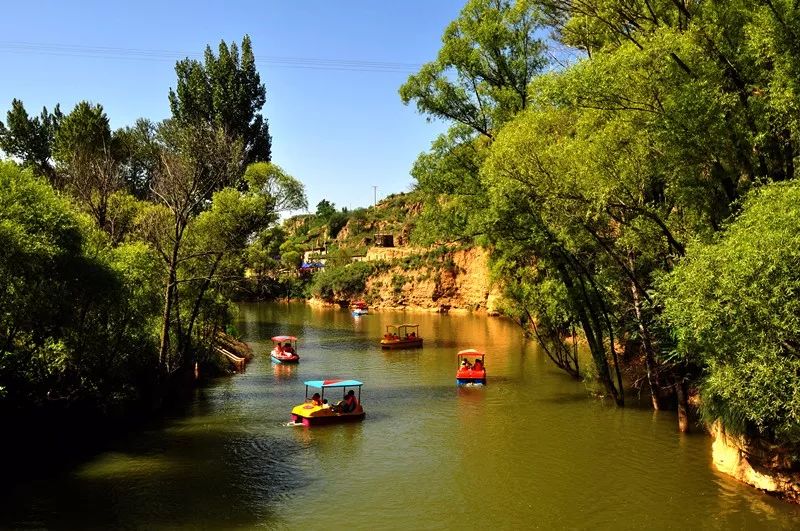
(316, 410)
(402, 336)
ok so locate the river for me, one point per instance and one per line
(531, 449)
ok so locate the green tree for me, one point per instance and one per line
(325, 209)
(733, 307)
(31, 139)
(225, 91)
(76, 315)
(478, 81)
(86, 158)
(138, 153)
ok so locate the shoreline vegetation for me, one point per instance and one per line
(620, 178)
(123, 249)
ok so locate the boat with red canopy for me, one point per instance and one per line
(285, 349)
(471, 369)
(316, 410)
(401, 336)
(359, 308)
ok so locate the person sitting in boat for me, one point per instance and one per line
(287, 348)
(350, 402)
(316, 400)
(465, 364)
(478, 366)
(412, 335)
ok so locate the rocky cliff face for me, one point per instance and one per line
(766, 466)
(458, 280)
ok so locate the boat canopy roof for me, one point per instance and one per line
(284, 338)
(333, 383)
(471, 352)
(402, 326)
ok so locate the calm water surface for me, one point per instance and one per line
(529, 450)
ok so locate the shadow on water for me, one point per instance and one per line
(159, 472)
(226, 458)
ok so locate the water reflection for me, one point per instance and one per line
(529, 449)
(284, 371)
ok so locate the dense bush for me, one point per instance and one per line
(734, 306)
(341, 282)
(77, 317)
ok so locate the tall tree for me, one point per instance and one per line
(734, 311)
(477, 82)
(225, 91)
(86, 156)
(196, 161)
(138, 152)
(31, 138)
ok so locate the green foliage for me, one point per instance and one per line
(30, 139)
(83, 133)
(225, 91)
(588, 185)
(101, 317)
(734, 310)
(478, 82)
(76, 317)
(342, 282)
(138, 156)
(325, 209)
(398, 281)
(480, 77)
(270, 180)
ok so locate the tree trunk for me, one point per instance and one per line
(169, 297)
(683, 404)
(649, 352)
(186, 353)
(163, 350)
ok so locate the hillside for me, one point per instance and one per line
(370, 253)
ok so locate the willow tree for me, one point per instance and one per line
(477, 82)
(201, 224)
(733, 308)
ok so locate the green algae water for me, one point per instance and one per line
(530, 450)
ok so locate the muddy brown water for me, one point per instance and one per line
(530, 450)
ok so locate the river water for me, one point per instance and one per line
(531, 449)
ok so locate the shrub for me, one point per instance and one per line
(341, 282)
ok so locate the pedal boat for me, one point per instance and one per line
(279, 355)
(401, 336)
(359, 308)
(309, 414)
(471, 376)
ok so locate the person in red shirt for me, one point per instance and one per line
(350, 402)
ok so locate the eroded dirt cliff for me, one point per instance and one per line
(455, 280)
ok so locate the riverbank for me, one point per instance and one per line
(768, 467)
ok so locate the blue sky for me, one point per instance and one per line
(339, 131)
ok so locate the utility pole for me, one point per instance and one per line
(374, 195)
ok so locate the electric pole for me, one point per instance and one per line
(374, 196)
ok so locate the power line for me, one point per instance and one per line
(107, 52)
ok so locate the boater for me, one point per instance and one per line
(350, 402)
(316, 400)
(287, 348)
